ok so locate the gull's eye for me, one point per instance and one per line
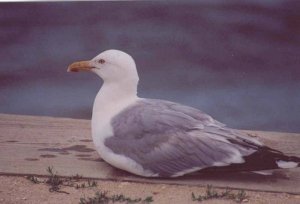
(101, 61)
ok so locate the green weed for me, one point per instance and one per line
(239, 197)
(104, 198)
(55, 182)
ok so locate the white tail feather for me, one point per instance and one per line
(286, 164)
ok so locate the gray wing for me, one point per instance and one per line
(170, 139)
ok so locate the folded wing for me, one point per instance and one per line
(170, 139)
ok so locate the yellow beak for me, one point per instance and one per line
(80, 66)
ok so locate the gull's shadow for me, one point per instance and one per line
(230, 177)
(236, 176)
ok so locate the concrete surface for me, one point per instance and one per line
(29, 144)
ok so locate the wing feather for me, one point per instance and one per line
(170, 139)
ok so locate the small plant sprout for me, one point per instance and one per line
(103, 198)
(227, 194)
(56, 182)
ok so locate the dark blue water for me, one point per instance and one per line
(238, 61)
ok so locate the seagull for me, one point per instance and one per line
(159, 138)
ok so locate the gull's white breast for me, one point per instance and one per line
(103, 113)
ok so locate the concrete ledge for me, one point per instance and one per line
(29, 144)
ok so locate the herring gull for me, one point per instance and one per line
(158, 138)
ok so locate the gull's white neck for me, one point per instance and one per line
(111, 100)
(113, 95)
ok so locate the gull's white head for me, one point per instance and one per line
(113, 66)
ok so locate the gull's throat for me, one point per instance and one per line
(110, 100)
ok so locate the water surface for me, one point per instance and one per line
(238, 61)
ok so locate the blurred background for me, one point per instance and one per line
(239, 61)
